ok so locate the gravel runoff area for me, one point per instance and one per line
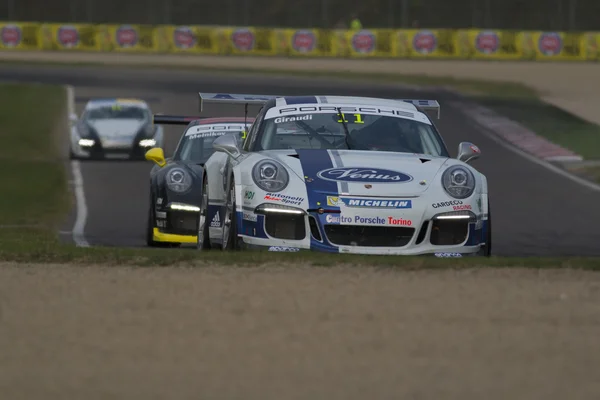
(572, 86)
(299, 333)
(347, 333)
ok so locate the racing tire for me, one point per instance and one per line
(231, 241)
(486, 251)
(203, 242)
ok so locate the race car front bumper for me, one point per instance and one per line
(176, 223)
(445, 233)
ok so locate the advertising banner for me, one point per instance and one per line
(487, 44)
(19, 36)
(69, 37)
(246, 40)
(127, 38)
(186, 39)
(304, 42)
(414, 43)
(555, 46)
(590, 46)
(369, 43)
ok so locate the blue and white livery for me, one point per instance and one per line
(343, 175)
(114, 128)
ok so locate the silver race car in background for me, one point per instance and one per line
(114, 128)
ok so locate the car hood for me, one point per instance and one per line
(361, 173)
(117, 128)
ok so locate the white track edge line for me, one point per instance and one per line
(81, 209)
(490, 134)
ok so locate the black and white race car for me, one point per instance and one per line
(176, 192)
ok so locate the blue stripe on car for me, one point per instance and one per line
(317, 189)
(301, 100)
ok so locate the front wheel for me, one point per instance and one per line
(230, 233)
(203, 236)
(486, 250)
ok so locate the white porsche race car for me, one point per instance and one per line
(343, 175)
(114, 128)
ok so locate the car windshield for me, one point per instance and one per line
(117, 112)
(197, 143)
(365, 132)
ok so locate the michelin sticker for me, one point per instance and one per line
(367, 203)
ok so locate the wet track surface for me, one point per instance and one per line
(535, 211)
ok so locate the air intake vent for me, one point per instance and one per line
(314, 229)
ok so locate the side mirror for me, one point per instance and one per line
(228, 144)
(468, 152)
(73, 119)
(156, 155)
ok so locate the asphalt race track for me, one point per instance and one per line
(535, 211)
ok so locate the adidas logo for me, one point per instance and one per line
(216, 221)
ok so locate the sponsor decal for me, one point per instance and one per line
(475, 149)
(462, 207)
(371, 175)
(285, 199)
(447, 203)
(159, 200)
(248, 195)
(550, 44)
(363, 42)
(448, 255)
(161, 223)
(367, 203)
(11, 35)
(357, 219)
(243, 39)
(204, 135)
(337, 219)
(184, 38)
(292, 119)
(161, 214)
(425, 42)
(304, 41)
(249, 217)
(487, 42)
(369, 220)
(284, 249)
(399, 221)
(346, 110)
(126, 36)
(216, 221)
(67, 36)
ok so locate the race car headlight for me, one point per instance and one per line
(178, 180)
(458, 182)
(270, 176)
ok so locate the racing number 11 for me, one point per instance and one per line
(358, 119)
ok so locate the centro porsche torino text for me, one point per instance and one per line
(340, 219)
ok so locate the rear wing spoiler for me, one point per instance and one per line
(173, 119)
(229, 98)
